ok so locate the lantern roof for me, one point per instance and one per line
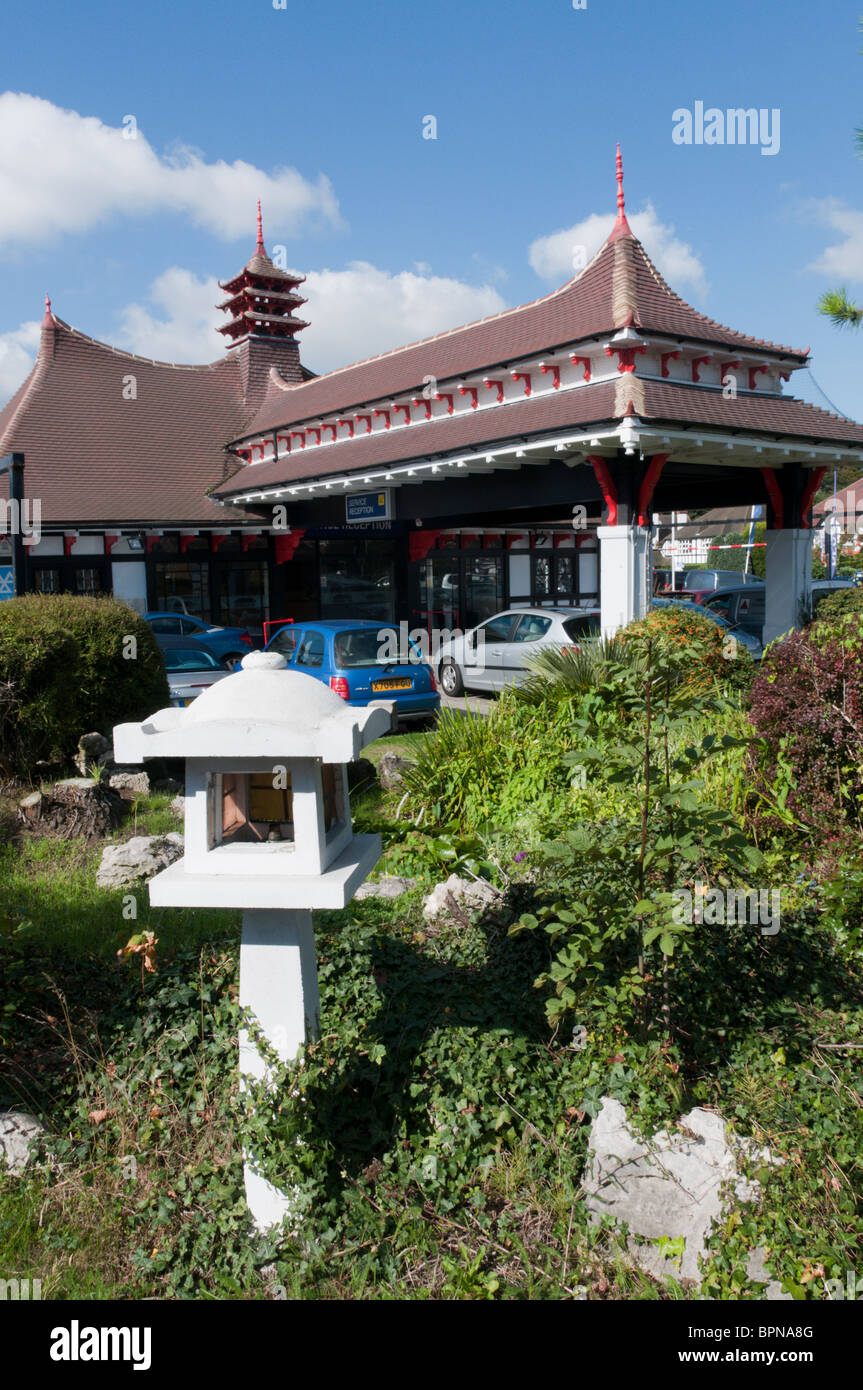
(261, 711)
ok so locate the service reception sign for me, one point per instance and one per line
(368, 506)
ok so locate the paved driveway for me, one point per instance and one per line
(475, 703)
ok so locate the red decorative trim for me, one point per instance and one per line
(110, 542)
(312, 430)
(467, 539)
(286, 545)
(555, 380)
(445, 396)
(420, 543)
(330, 426)
(244, 454)
(368, 420)
(407, 411)
(648, 487)
(69, 540)
(724, 367)
(426, 401)
(150, 543)
(489, 539)
(385, 416)
(350, 426)
(246, 539)
(283, 438)
(558, 538)
(525, 377)
(625, 357)
(491, 386)
(184, 541)
(585, 361)
(814, 481)
(700, 362)
(753, 372)
(473, 392)
(774, 492)
(301, 436)
(784, 376)
(216, 541)
(665, 358)
(514, 536)
(607, 487)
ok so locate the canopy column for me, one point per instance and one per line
(788, 572)
(624, 567)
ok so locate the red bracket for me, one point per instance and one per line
(407, 411)
(312, 430)
(286, 545)
(216, 541)
(473, 392)
(283, 438)
(246, 539)
(368, 420)
(513, 536)
(385, 416)
(725, 367)
(420, 543)
(753, 372)
(625, 361)
(700, 362)
(68, 542)
(426, 401)
(606, 483)
(334, 428)
(585, 362)
(489, 539)
(816, 477)
(525, 377)
(301, 436)
(349, 424)
(491, 386)
(784, 376)
(774, 492)
(150, 543)
(648, 487)
(184, 542)
(555, 380)
(110, 542)
(665, 358)
(445, 396)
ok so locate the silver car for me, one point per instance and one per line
(494, 654)
(190, 670)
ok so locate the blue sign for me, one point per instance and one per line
(7, 582)
(368, 506)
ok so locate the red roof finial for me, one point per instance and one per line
(47, 314)
(260, 245)
(621, 226)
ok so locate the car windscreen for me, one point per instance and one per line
(581, 627)
(189, 659)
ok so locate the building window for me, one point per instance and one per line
(181, 587)
(47, 581)
(358, 579)
(88, 580)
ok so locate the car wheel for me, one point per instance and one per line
(451, 679)
(232, 661)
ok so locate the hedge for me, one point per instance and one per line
(70, 666)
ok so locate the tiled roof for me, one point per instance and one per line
(620, 285)
(601, 403)
(92, 456)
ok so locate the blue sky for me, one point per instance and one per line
(318, 108)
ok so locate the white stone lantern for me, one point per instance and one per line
(267, 829)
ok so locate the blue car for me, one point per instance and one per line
(227, 644)
(361, 662)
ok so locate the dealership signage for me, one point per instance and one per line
(368, 506)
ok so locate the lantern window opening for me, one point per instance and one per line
(250, 808)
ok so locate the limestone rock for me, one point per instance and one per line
(130, 785)
(138, 859)
(391, 770)
(668, 1185)
(178, 806)
(94, 750)
(465, 894)
(19, 1132)
(389, 886)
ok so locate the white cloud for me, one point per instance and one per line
(185, 330)
(63, 173)
(353, 313)
(845, 259)
(552, 257)
(17, 355)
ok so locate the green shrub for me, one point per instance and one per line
(561, 674)
(711, 659)
(836, 605)
(70, 666)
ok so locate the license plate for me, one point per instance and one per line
(392, 685)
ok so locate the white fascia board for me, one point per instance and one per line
(336, 741)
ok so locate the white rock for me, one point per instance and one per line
(138, 859)
(130, 785)
(470, 894)
(178, 806)
(667, 1186)
(19, 1132)
(388, 886)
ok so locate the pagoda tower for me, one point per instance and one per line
(261, 322)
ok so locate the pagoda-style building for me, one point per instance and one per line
(515, 461)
